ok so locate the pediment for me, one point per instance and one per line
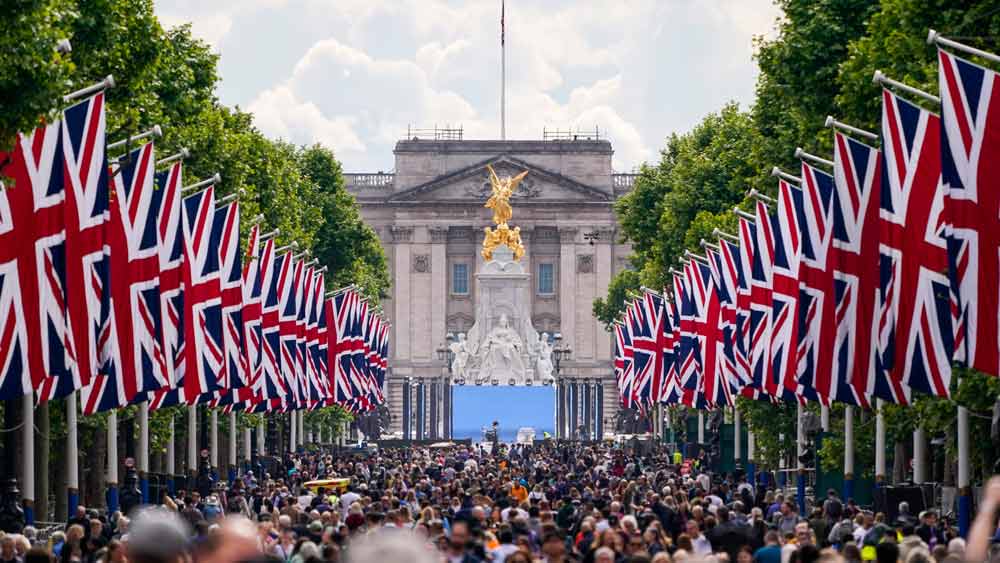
(472, 184)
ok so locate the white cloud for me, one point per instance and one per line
(355, 73)
(281, 114)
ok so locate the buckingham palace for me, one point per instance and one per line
(430, 218)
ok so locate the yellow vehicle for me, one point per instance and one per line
(338, 486)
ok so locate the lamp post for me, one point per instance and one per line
(446, 355)
(560, 352)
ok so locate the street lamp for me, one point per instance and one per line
(560, 352)
(446, 355)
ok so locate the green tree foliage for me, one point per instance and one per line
(701, 175)
(797, 84)
(33, 75)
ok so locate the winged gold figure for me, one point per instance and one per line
(503, 189)
(499, 202)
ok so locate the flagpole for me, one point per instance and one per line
(213, 438)
(503, 75)
(171, 453)
(231, 470)
(72, 456)
(112, 468)
(142, 464)
(192, 453)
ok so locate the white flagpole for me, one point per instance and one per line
(247, 451)
(261, 448)
(503, 74)
(213, 439)
(142, 463)
(72, 455)
(231, 470)
(192, 453)
(112, 468)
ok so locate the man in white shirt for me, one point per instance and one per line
(698, 540)
(349, 498)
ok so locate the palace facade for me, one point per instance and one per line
(430, 218)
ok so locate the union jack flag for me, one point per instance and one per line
(236, 382)
(644, 352)
(760, 302)
(373, 347)
(308, 341)
(623, 363)
(273, 273)
(686, 343)
(816, 311)
(914, 317)
(205, 349)
(785, 289)
(132, 355)
(724, 264)
(747, 234)
(34, 342)
(252, 337)
(171, 252)
(372, 394)
(341, 348)
(970, 152)
(665, 383)
(85, 213)
(289, 290)
(713, 386)
(316, 340)
(853, 260)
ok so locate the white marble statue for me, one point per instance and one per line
(460, 362)
(502, 351)
(543, 366)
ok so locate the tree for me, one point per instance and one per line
(33, 74)
(344, 242)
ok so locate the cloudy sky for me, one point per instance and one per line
(352, 74)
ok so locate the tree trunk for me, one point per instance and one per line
(42, 462)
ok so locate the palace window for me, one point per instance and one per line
(546, 278)
(460, 278)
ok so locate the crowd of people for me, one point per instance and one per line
(550, 502)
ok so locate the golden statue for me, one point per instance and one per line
(499, 202)
(503, 235)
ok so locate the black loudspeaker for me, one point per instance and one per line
(887, 500)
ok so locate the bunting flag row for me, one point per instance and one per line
(867, 277)
(118, 282)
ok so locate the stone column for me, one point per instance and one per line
(402, 238)
(558, 386)
(567, 284)
(598, 410)
(421, 409)
(573, 408)
(588, 408)
(407, 394)
(445, 409)
(605, 268)
(434, 402)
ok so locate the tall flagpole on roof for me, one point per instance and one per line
(503, 76)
